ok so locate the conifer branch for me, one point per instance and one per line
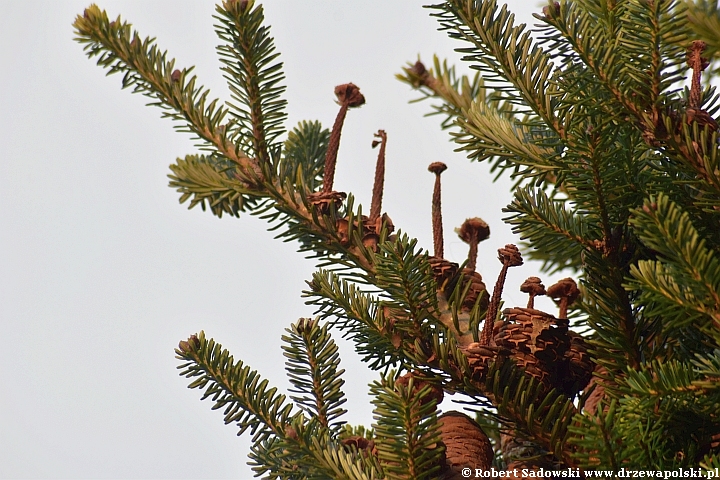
(253, 74)
(406, 430)
(505, 54)
(312, 368)
(147, 70)
(249, 403)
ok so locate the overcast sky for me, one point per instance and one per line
(103, 272)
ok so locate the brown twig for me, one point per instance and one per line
(510, 257)
(437, 168)
(377, 194)
(698, 63)
(349, 96)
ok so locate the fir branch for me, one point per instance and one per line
(406, 430)
(360, 315)
(405, 276)
(147, 70)
(247, 400)
(505, 55)
(558, 236)
(688, 277)
(634, 49)
(303, 157)
(312, 368)
(598, 438)
(254, 76)
(488, 134)
(251, 405)
(211, 181)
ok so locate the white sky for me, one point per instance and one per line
(102, 272)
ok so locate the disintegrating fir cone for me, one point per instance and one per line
(479, 359)
(580, 365)
(476, 289)
(445, 273)
(466, 445)
(534, 342)
(325, 201)
(349, 94)
(342, 228)
(598, 393)
(473, 231)
(534, 287)
(564, 293)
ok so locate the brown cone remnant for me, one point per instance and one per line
(445, 273)
(473, 231)
(436, 393)
(437, 168)
(534, 287)
(376, 204)
(510, 257)
(544, 348)
(580, 365)
(479, 358)
(466, 445)
(477, 289)
(564, 292)
(348, 96)
(322, 201)
(598, 394)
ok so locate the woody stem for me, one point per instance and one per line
(472, 254)
(563, 307)
(376, 204)
(332, 151)
(494, 305)
(437, 219)
(695, 61)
